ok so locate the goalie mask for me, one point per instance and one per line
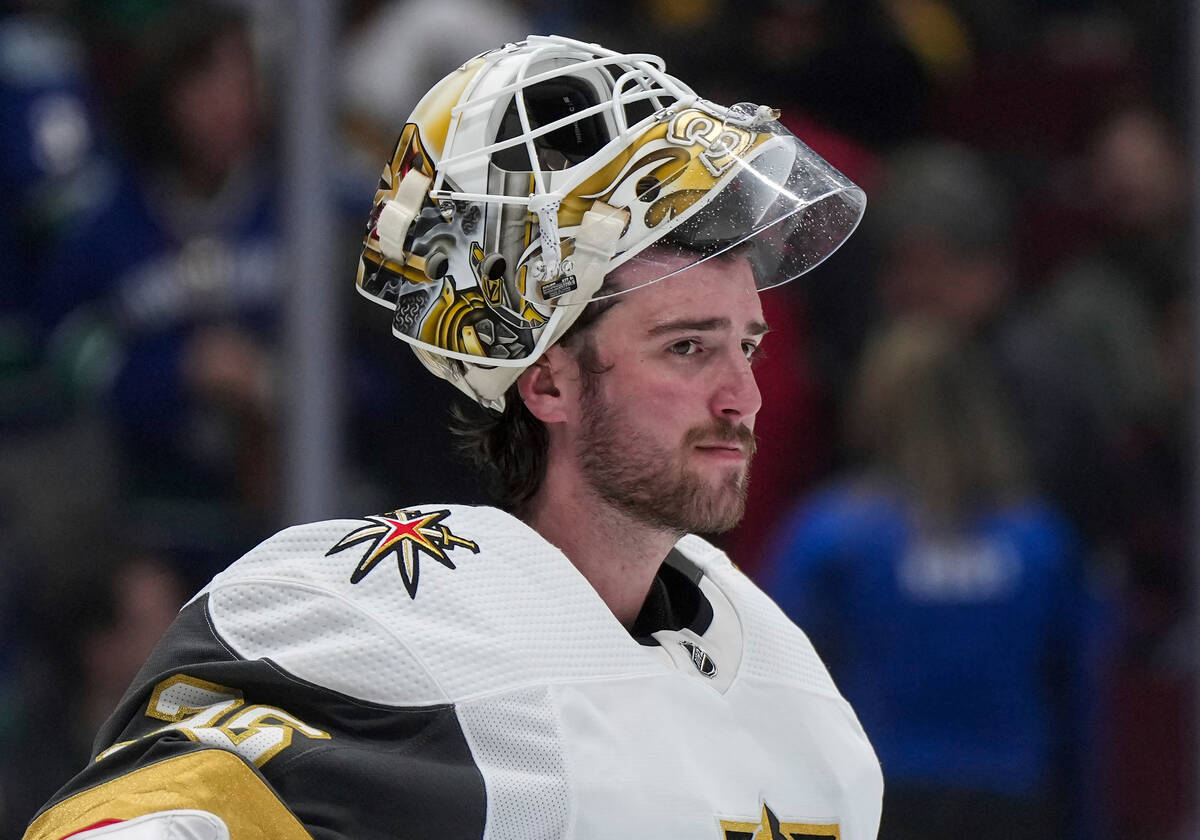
(531, 172)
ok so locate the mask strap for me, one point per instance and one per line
(397, 214)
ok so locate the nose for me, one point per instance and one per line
(736, 397)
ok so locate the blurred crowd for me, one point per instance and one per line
(976, 414)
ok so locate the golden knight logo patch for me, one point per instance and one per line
(769, 827)
(408, 534)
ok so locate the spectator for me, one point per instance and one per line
(1125, 304)
(82, 640)
(50, 171)
(53, 169)
(164, 299)
(947, 596)
(942, 226)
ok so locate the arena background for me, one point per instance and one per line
(185, 367)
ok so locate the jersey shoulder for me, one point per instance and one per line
(426, 604)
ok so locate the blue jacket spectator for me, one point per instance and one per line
(948, 602)
(164, 300)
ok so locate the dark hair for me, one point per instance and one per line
(508, 448)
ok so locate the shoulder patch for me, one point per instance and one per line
(408, 534)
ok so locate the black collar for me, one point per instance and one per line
(674, 601)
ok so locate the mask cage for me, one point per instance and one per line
(640, 89)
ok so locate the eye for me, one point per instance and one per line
(686, 347)
(752, 350)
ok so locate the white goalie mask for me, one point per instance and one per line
(526, 176)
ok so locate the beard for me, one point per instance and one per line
(653, 484)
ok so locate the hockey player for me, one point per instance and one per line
(576, 240)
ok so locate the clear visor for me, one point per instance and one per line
(759, 190)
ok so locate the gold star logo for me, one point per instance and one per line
(770, 828)
(407, 534)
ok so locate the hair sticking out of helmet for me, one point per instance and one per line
(527, 175)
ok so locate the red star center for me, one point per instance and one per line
(400, 530)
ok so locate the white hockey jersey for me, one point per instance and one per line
(443, 671)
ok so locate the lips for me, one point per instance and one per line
(723, 450)
(728, 447)
(719, 438)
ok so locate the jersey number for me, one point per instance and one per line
(217, 716)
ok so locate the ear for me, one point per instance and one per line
(541, 386)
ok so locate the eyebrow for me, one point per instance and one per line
(706, 325)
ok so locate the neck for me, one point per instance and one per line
(618, 554)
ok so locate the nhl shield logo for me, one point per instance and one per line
(703, 662)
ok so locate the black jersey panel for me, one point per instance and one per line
(345, 767)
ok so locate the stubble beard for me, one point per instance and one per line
(655, 486)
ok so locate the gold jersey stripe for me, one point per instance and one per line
(210, 780)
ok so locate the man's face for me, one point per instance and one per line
(665, 432)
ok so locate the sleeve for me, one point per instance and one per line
(268, 754)
(198, 794)
(178, 824)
